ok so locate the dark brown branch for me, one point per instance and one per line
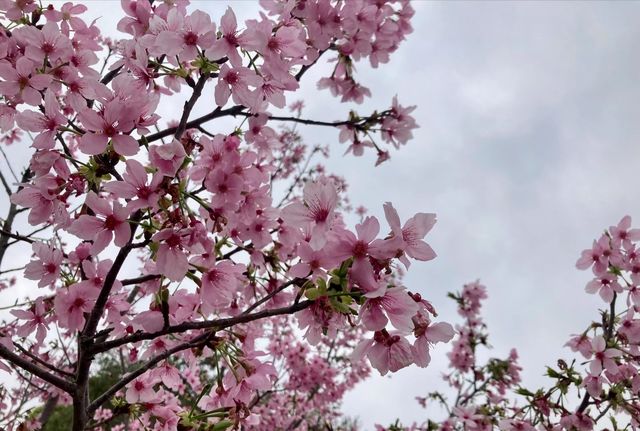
(6, 227)
(217, 113)
(140, 279)
(85, 341)
(297, 281)
(43, 363)
(48, 410)
(306, 67)
(16, 236)
(106, 396)
(205, 324)
(188, 105)
(308, 122)
(18, 361)
(110, 75)
(103, 296)
(7, 188)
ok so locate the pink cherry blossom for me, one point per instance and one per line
(409, 237)
(603, 357)
(318, 206)
(167, 158)
(386, 352)
(23, 81)
(140, 391)
(135, 186)
(606, 285)
(228, 44)
(102, 230)
(47, 124)
(72, 304)
(36, 319)
(46, 269)
(112, 124)
(395, 305)
(427, 334)
(220, 283)
(235, 82)
(185, 35)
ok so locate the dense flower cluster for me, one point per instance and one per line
(225, 265)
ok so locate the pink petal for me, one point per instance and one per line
(125, 145)
(93, 144)
(85, 227)
(420, 250)
(372, 316)
(101, 241)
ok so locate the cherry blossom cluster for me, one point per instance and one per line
(598, 389)
(240, 241)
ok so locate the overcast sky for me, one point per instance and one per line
(528, 148)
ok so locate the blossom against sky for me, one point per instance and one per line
(527, 150)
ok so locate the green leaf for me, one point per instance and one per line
(222, 425)
(312, 293)
(525, 392)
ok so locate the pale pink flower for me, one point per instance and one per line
(36, 319)
(598, 256)
(43, 198)
(385, 352)
(357, 247)
(427, 334)
(46, 43)
(66, 16)
(171, 257)
(580, 343)
(186, 34)
(395, 305)
(70, 306)
(101, 230)
(135, 186)
(318, 208)
(23, 81)
(622, 234)
(235, 82)
(606, 285)
(313, 261)
(603, 357)
(47, 124)
(248, 377)
(16, 9)
(228, 44)
(167, 158)
(221, 282)
(408, 238)
(140, 390)
(113, 123)
(46, 268)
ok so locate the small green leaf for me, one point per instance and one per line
(222, 425)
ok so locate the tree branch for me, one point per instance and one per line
(188, 106)
(199, 340)
(56, 381)
(218, 324)
(216, 113)
(43, 363)
(7, 188)
(5, 232)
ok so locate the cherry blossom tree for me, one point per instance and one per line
(598, 389)
(184, 274)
